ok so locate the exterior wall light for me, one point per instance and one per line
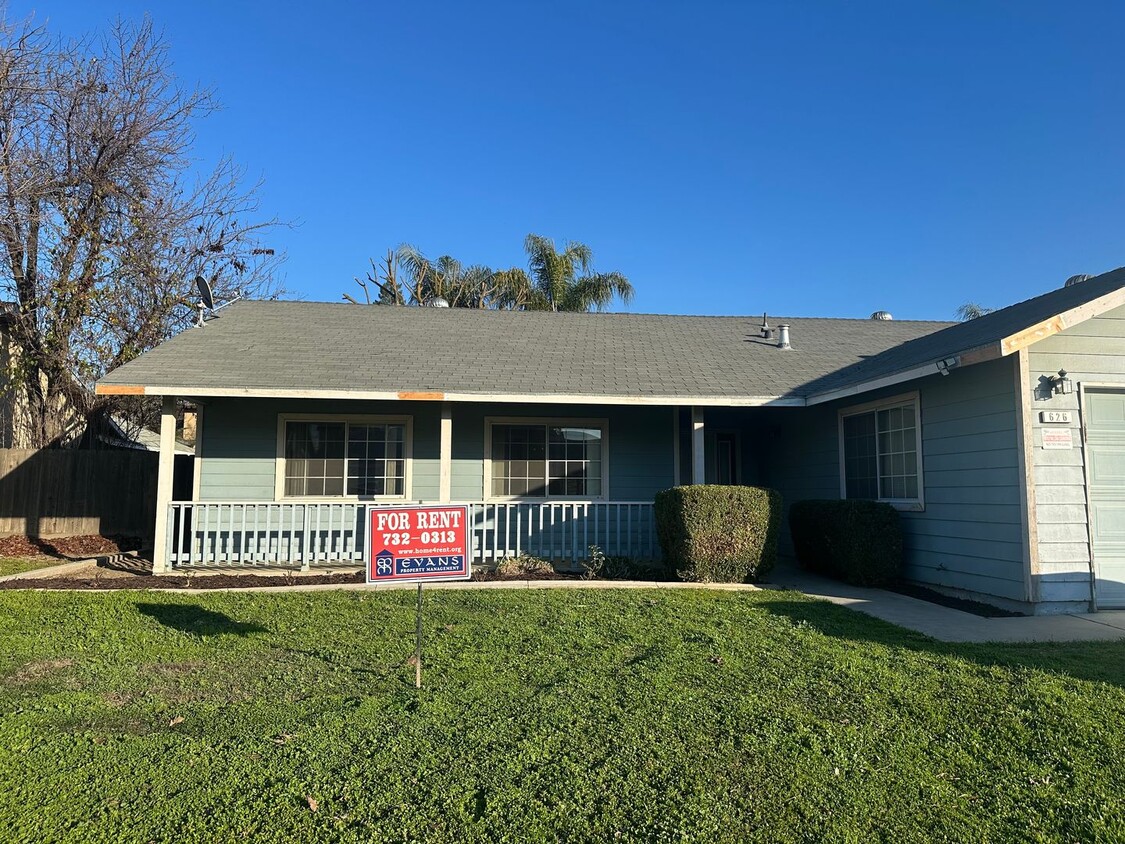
(943, 366)
(1061, 384)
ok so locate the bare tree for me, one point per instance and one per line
(103, 224)
(423, 281)
(971, 310)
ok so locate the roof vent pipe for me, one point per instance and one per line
(783, 336)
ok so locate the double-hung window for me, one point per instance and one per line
(362, 457)
(881, 452)
(546, 459)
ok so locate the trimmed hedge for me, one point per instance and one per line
(856, 541)
(718, 534)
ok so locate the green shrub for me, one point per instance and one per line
(718, 534)
(856, 541)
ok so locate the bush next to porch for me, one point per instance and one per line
(857, 541)
(718, 534)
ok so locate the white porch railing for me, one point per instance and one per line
(248, 534)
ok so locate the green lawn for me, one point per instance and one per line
(546, 716)
(18, 565)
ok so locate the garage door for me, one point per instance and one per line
(1105, 446)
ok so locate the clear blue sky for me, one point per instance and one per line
(819, 159)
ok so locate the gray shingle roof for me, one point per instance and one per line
(979, 333)
(273, 347)
(323, 346)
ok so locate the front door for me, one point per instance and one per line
(1104, 415)
(726, 458)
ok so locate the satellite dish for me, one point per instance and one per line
(1077, 279)
(206, 297)
(207, 301)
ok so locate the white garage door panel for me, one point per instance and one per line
(1105, 447)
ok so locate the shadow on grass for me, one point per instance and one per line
(1102, 662)
(188, 618)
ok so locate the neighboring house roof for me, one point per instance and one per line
(327, 350)
(143, 440)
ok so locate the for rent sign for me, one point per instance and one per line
(416, 544)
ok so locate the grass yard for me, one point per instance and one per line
(19, 565)
(547, 716)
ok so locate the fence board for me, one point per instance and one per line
(64, 492)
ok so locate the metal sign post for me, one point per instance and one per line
(415, 544)
(418, 641)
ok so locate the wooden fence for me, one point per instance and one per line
(64, 492)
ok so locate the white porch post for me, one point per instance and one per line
(676, 446)
(445, 467)
(698, 462)
(166, 466)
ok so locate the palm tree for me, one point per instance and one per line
(563, 281)
(558, 281)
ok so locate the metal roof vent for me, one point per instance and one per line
(882, 316)
(783, 337)
(437, 302)
(1077, 279)
(765, 331)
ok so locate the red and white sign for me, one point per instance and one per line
(416, 544)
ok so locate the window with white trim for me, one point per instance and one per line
(881, 451)
(362, 459)
(560, 459)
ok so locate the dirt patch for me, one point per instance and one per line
(485, 575)
(35, 671)
(67, 547)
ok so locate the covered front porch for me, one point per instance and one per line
(286, 484)
(307, 535)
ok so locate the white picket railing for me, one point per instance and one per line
(248, 534)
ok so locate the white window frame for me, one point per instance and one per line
(358, 419)
(915, 505)
(557, 421)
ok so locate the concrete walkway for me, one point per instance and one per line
(950, 625)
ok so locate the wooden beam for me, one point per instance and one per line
(1061, 322)
(1025, 450)
(445, 466)
(1031, 334)
(698, 455)
(675, 446)
(197, 461)
(166, 467)
(119, 390)
(197, 392)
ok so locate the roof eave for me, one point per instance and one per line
(189, 390)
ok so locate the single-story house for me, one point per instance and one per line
(1001, 439)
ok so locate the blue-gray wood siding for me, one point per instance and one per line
(239, 445)
(1092, 352)
(969, 535)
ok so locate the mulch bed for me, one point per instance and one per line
(232, 581)
(200, 582)
(68, 547)
(963, 604)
